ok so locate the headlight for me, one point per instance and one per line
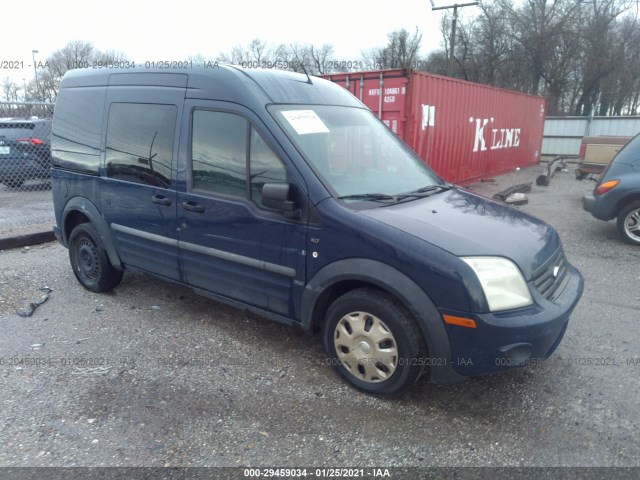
(503, 284)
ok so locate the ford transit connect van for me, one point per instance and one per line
(284, 195)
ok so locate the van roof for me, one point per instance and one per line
(223, 82)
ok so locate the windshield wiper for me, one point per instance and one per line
(426, 191)
(367, 196)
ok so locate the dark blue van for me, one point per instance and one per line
(284, 195)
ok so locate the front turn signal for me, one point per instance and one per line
(459, 321)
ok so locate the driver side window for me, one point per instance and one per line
(225, 147)
(265, 167)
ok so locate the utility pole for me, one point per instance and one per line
(35, 72)
(452, 41)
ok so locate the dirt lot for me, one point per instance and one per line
(153, 375)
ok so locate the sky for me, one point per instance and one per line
(150, 30)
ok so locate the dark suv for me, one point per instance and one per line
(25, 150)
(617, 193)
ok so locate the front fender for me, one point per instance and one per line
(404, 289)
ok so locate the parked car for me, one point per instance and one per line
(24, 150)
(284, 195)
(617, 193)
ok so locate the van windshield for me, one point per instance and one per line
(356, 156)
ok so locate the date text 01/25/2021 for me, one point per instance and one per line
(327, 472)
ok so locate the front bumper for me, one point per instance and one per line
(505, 340)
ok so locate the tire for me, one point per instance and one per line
(628, 223)
(89, 260)
(374, 343)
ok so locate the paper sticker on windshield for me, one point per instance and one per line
(305, 121)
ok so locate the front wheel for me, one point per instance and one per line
(89, 260)
(374, 343)
(629, 223)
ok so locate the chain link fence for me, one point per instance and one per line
(25, 161)
(25, 145)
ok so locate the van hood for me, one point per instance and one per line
(467, 224)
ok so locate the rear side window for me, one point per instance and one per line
(77, 129)
(139, 144)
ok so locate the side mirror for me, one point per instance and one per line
(277, 196)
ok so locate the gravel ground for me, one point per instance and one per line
(25, 210)
(154, 375)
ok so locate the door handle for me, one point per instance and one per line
(161, 200)
(193, 207)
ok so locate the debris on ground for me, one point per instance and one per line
(520, 188)
(30, 307)
(517, 199)
(558, 164)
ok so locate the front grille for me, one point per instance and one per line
(549, 285)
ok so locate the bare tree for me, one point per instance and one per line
(237, 56)
(369, 59)
(255, 55)
(287, 57)
(321, 57)
(199, 59)
(76, 54)
(493, 49)
(572, 52)
(109, 57)
(10, 90)
(541, 27)
(296, 57)
(401, 51)
(601, 57)
(437, 62)
(620, 89)
(257, 50)
(300, 58)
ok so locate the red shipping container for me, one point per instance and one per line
(464, 131)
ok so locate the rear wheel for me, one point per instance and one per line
(89, 260)
(628, 223)
(374, 343)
